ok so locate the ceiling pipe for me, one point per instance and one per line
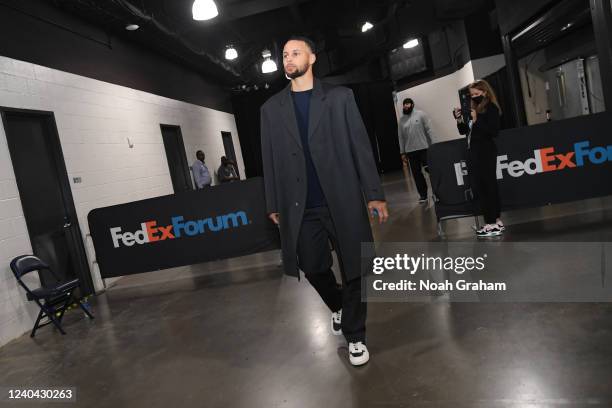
(167, 31)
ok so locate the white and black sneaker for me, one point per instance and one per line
(501, 226)
(489, 230)
(358, 353)
(336, 322)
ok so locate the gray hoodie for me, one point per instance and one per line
(414, 131)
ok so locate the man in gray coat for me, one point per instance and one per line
(318, 169)
(414, 133)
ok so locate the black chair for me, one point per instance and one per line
(53, 301)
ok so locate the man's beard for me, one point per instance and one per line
(298, 72)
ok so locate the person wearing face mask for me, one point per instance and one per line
(481, 131)
(414, 134)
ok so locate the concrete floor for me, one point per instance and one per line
(237, 333)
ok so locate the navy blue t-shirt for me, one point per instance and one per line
(301, 103)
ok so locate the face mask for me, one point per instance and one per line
(478, 99)
(408, 111)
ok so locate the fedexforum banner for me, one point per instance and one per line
(554, 162)
(220, 222)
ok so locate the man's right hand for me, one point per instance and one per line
(275, 217)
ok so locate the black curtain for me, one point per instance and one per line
(375, 102)
(246, 107)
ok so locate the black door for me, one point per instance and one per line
(228, 145)
(45, 194)
(177, 159)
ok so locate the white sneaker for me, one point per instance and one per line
(336, 323)
(489, 230)
(358, 353)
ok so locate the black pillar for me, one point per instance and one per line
(516, 93)
(602, 24)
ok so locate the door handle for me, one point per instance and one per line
(561, 88)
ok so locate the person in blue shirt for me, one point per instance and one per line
(201, 175)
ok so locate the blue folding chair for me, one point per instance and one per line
(54, 300)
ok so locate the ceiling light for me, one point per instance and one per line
(411, 43)
(565, 27)
(204, 10)
(231, 53)
(268, 65)
(132, 27)
(366, 26)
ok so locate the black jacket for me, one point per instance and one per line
(486, 127)
(343, 158)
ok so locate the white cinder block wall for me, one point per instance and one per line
(437, 98)
(94, 120)
(484, 67)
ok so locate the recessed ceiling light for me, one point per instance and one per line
(411, 43)
(231, 53)
(366, 26)
(268, 65)
(204, 10)
(132, 27)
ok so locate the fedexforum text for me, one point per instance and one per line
(412, 264)
(461, 285)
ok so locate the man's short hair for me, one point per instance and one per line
(408, 100)
(305, 39)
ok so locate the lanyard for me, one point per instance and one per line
(469, 135)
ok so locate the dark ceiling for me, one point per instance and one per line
(566, 17)
(167, 27)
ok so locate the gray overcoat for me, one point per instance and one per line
(342, 156)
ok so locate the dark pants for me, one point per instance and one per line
(417, 160)
(482, 167)
(315, 259)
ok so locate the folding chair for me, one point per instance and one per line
(53, 301)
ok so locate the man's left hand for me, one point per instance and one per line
(378, 208)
